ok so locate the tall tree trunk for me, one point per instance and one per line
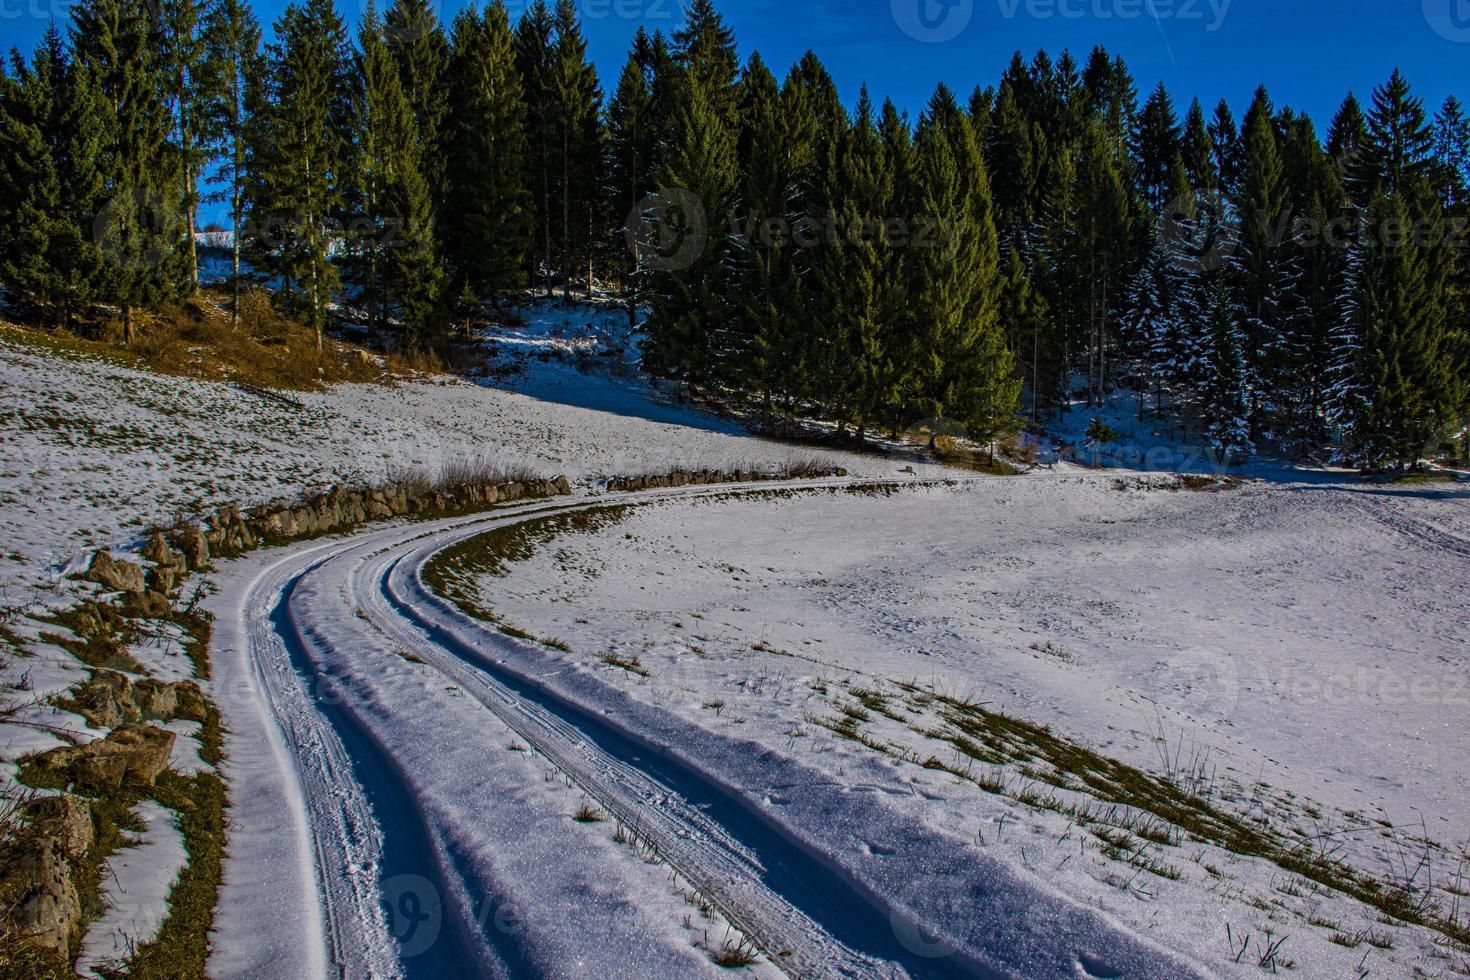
(566, 216)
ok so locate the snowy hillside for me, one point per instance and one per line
(91, 453)
(928, 723)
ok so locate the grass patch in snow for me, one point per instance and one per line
(182, 945)
(454, 572)
(99, 636)
(1129, 810)
(631, 664)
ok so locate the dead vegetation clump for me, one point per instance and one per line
(265, 349)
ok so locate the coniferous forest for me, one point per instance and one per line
(1026, 249)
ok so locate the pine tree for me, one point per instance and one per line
(629, 146)
(489, 232)
(139, 226)
(421, 50)
(536, 61)
(399, 271)
(577, 150)
(1156, 143)
(1396, 158)
(1267, 273)
(1400, 392)
(232, 67)
(300, 154)
(183, 52)
(1452, 154)
(691, 302)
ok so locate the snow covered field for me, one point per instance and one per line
(1304, 644)
(925, 724)
(91, 452)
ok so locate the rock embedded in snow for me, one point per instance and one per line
(138, 751)
(46, 907)
(115, 575)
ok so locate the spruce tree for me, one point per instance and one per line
(1015, 148)
(139, 226)
(1267, 272)
(1105, 244)
(1319, 254)
(1452, 154)
(1061, 273)
(1225, 144)
(300, 156)
(1396, 158)
(872, 301)
(399, 272)
(577, 150)
(1347, 137)
(1197, 151)
(1156, 142)
(1026, 320)
(535, 53)
(232, 67)
(630, 147)
(962, 366)
(1222, 371)
(41, 241)
(766, 354)
(421, 50)
(1400, 393)
(691, 299)
(705, 48)
(1158, 293)
(183, 52)
(489, 232)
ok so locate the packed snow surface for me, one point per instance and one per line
(677, 725)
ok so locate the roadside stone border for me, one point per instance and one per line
(699, 478)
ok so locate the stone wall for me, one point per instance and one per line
(229, 532)
(700, 478)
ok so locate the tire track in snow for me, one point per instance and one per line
(718, 836)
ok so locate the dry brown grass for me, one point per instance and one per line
(196, 339)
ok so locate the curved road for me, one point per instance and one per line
(371, 839)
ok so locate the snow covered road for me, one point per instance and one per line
(404, 777)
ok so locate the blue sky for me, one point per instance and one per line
(1309, 52)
